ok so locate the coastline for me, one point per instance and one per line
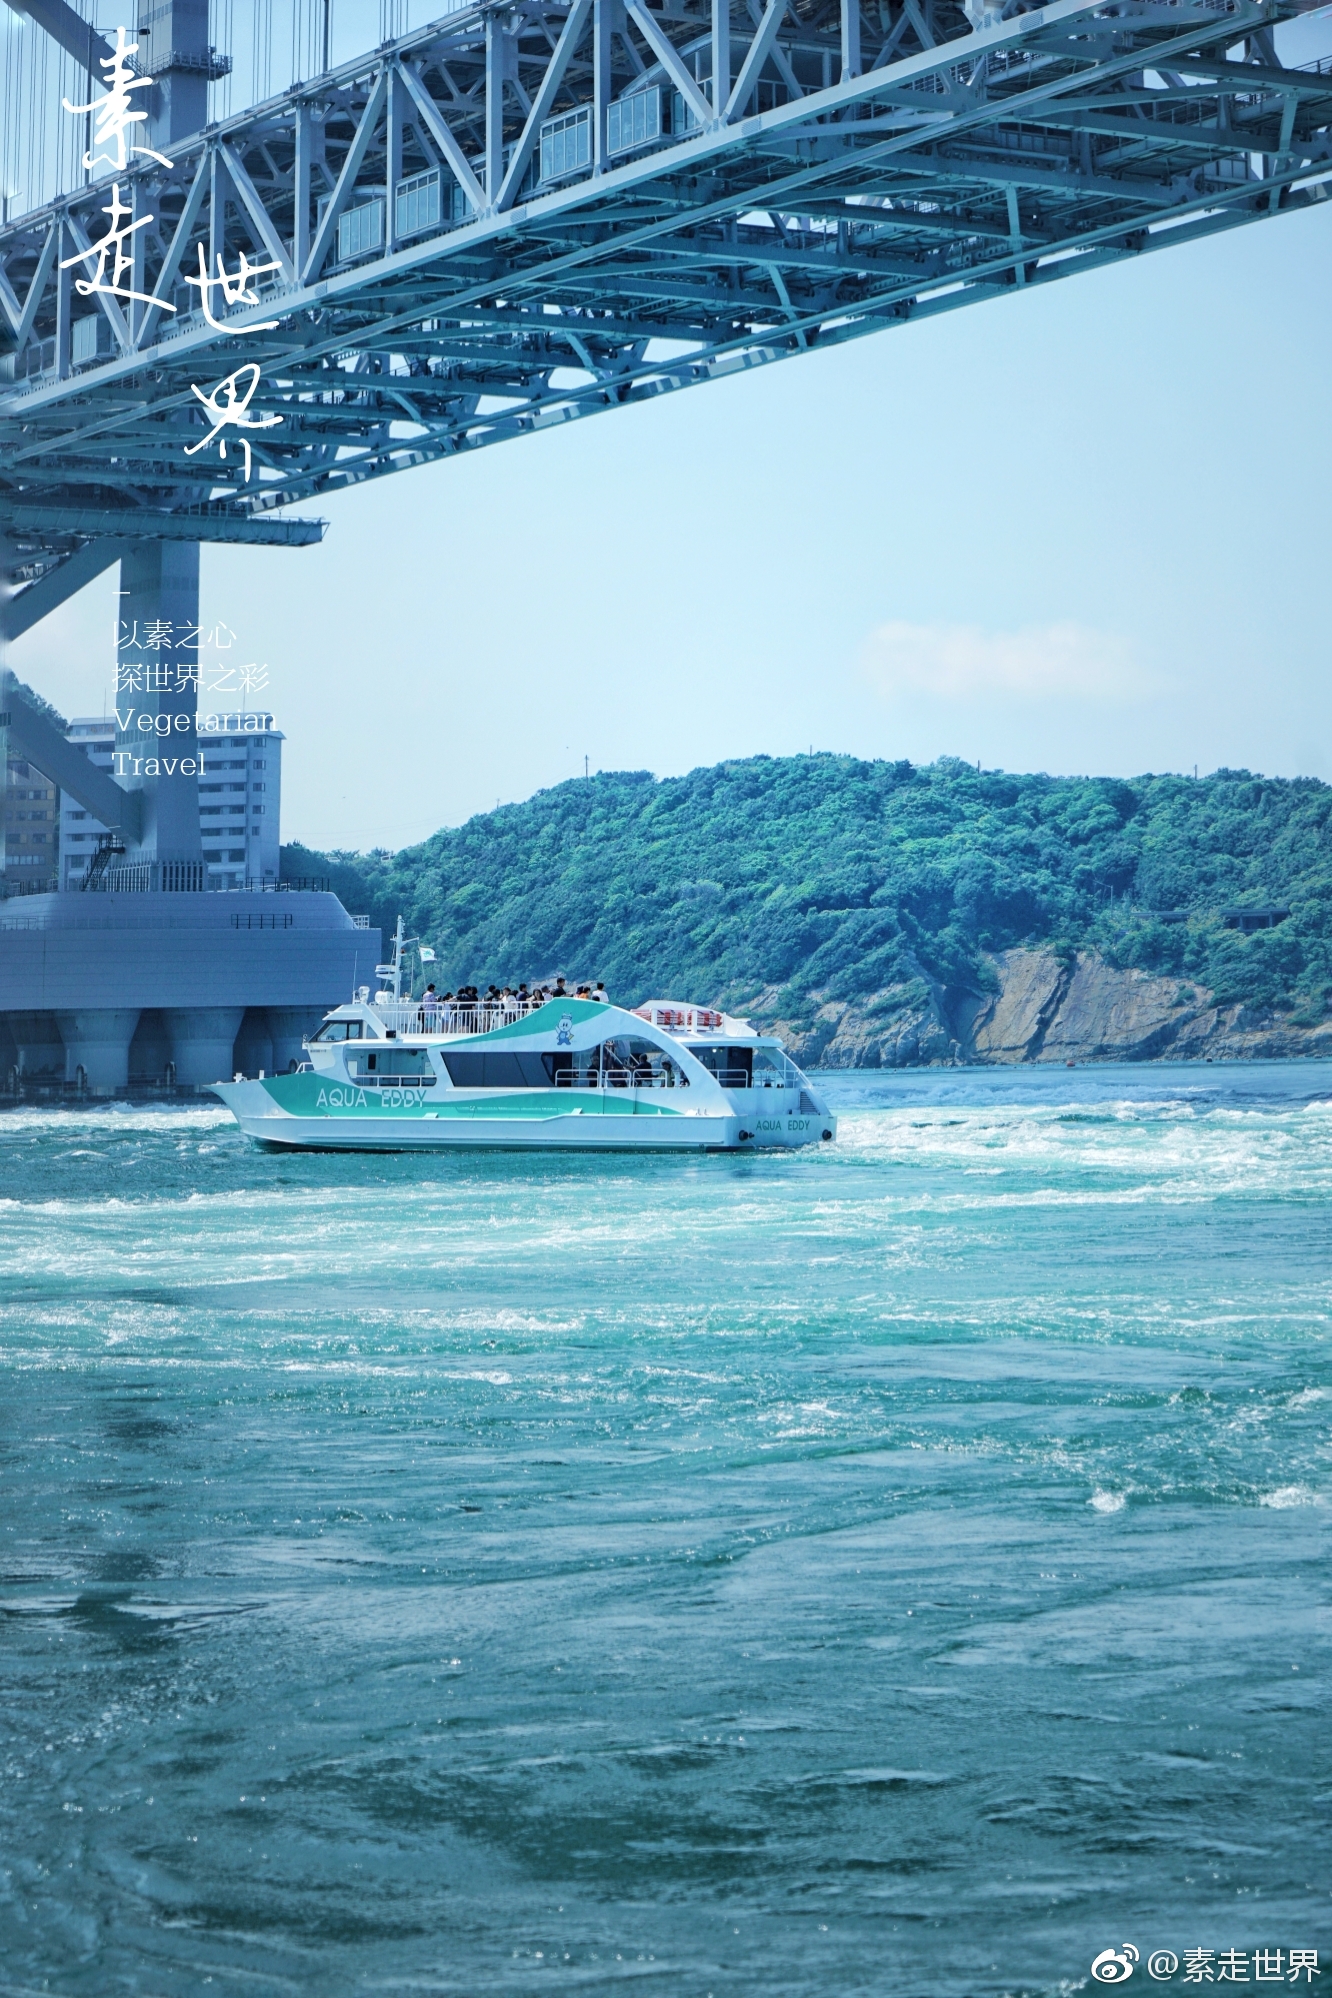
(1044, 1007)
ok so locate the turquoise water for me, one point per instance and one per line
(890, 1567)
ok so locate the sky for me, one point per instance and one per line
(1081, 529)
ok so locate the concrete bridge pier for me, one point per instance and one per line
(97, 1044)
(159, 580)
(174, 982)
(203, 1039)
(157, 700)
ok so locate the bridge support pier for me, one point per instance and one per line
(157, 697)
(203, 1039)
(97, 1042)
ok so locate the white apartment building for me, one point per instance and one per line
(30, 851)
(240, 799)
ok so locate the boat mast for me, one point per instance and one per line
(394, 970)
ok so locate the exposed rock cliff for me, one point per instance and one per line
(1043, 1007)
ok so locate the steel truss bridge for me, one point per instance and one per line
(535, 210)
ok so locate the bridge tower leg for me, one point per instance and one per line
(156, 713)
(157, 693)
(179, 104)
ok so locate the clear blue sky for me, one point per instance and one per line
(1084, 528)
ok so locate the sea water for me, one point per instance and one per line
(892, 1566)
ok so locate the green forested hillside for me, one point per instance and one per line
(825, 874)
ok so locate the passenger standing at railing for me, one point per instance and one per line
(429, 1008)
(600, 995)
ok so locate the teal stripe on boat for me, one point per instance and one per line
(307, 1095)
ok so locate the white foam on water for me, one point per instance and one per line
(117, 1119)
(1203, 1154)
(1107, 1501)
(1286, 1496)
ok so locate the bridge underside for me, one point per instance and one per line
(531, 212)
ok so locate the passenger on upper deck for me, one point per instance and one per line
(601, 995)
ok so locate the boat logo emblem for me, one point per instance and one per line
(564, 1032)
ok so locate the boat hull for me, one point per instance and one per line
(308, 1113)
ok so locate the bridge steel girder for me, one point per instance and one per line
(65, 764)
(868, 166)
(20, 610)
(27, 519)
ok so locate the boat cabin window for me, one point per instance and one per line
(477, 1069)
(732, 1066)
(339, 1030)
(626, 1062)
(390, 1063)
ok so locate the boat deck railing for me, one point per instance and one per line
(607, 1078)
(672, 1078)
(409, 1016)
(780, 1072)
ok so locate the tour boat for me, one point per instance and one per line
(388, 1073)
